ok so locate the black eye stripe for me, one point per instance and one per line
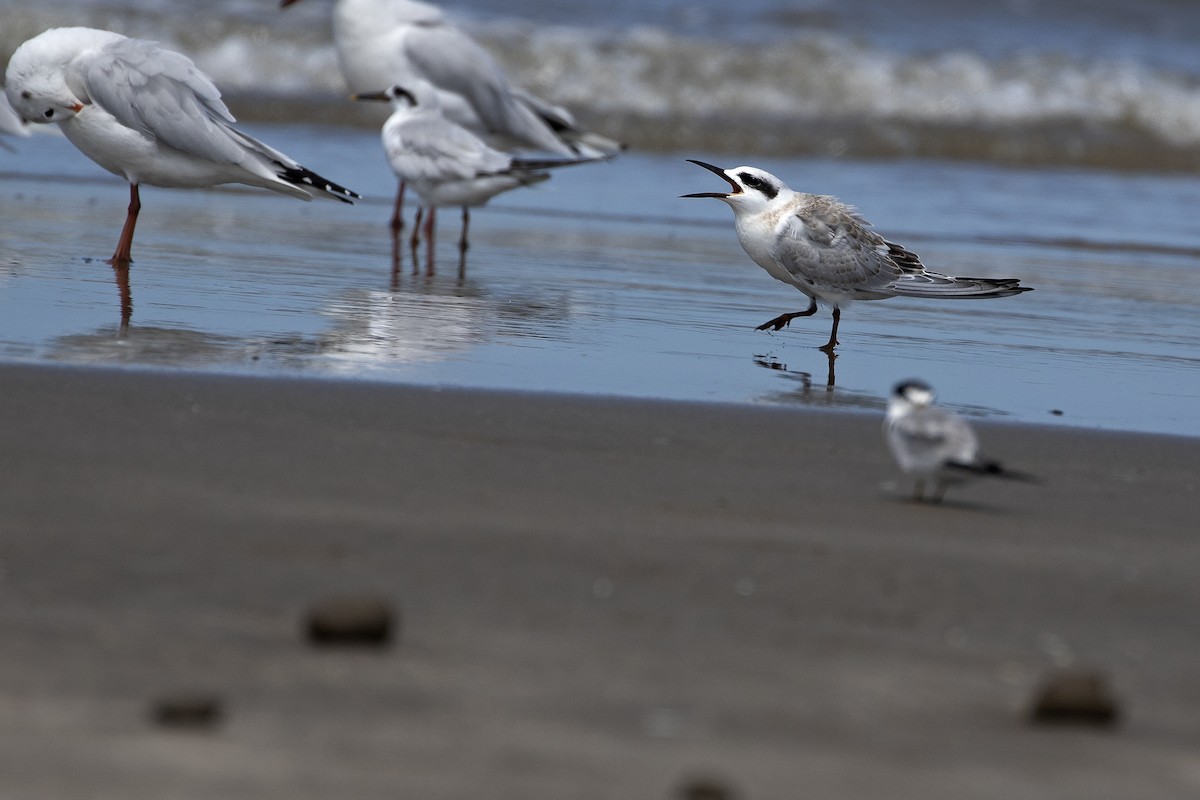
(754, 182)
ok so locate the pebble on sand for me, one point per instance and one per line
(1078, 697)
(187, 710)
(705, 788)
(351, 620)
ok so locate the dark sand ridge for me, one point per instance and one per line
(600, 598)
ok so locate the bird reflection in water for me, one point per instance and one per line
(770, 362)
(414, 247)
(121, 271)
(808, 392)
(154, 345)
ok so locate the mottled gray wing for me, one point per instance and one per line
(431, 148)
(931, 437)
(162, 94)
(827, 245)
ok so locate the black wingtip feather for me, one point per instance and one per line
(301, 176)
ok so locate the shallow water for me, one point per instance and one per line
(603, 281)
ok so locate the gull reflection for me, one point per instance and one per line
(418, 320)
(420, 325)
(149, 346)
(121, 272)
(427, 318)
(414, 249)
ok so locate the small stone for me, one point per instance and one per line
(350, 621)
(1079, 697)
(187, 710)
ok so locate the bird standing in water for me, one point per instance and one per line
(383, 43)
(821, 246)
(446, 164)
(148, 115)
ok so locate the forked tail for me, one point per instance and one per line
(931, 284)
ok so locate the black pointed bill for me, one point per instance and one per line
(379, 96)
(734, 188)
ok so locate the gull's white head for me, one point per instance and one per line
(751, 189)
(913, 394)
(38, 81)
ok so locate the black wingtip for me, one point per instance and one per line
(301, 176)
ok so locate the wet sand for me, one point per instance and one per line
(600, 598)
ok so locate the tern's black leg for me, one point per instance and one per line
(832, 343)
(919, 490)
(783, 319)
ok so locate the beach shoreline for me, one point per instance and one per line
(599, 597)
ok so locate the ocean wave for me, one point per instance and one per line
(815, 93)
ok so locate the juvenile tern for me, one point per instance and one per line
(822, 247)
(446, 164)
(934, 443)
(146, 114)
(384, 43)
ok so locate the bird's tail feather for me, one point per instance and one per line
(993, 469)
(931, 284)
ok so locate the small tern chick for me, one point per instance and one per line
(446, 164)
(146, 114)
(933, 443)
(822, 247)
(388, 42)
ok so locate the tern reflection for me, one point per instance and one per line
(770, 362)
(804, 390)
